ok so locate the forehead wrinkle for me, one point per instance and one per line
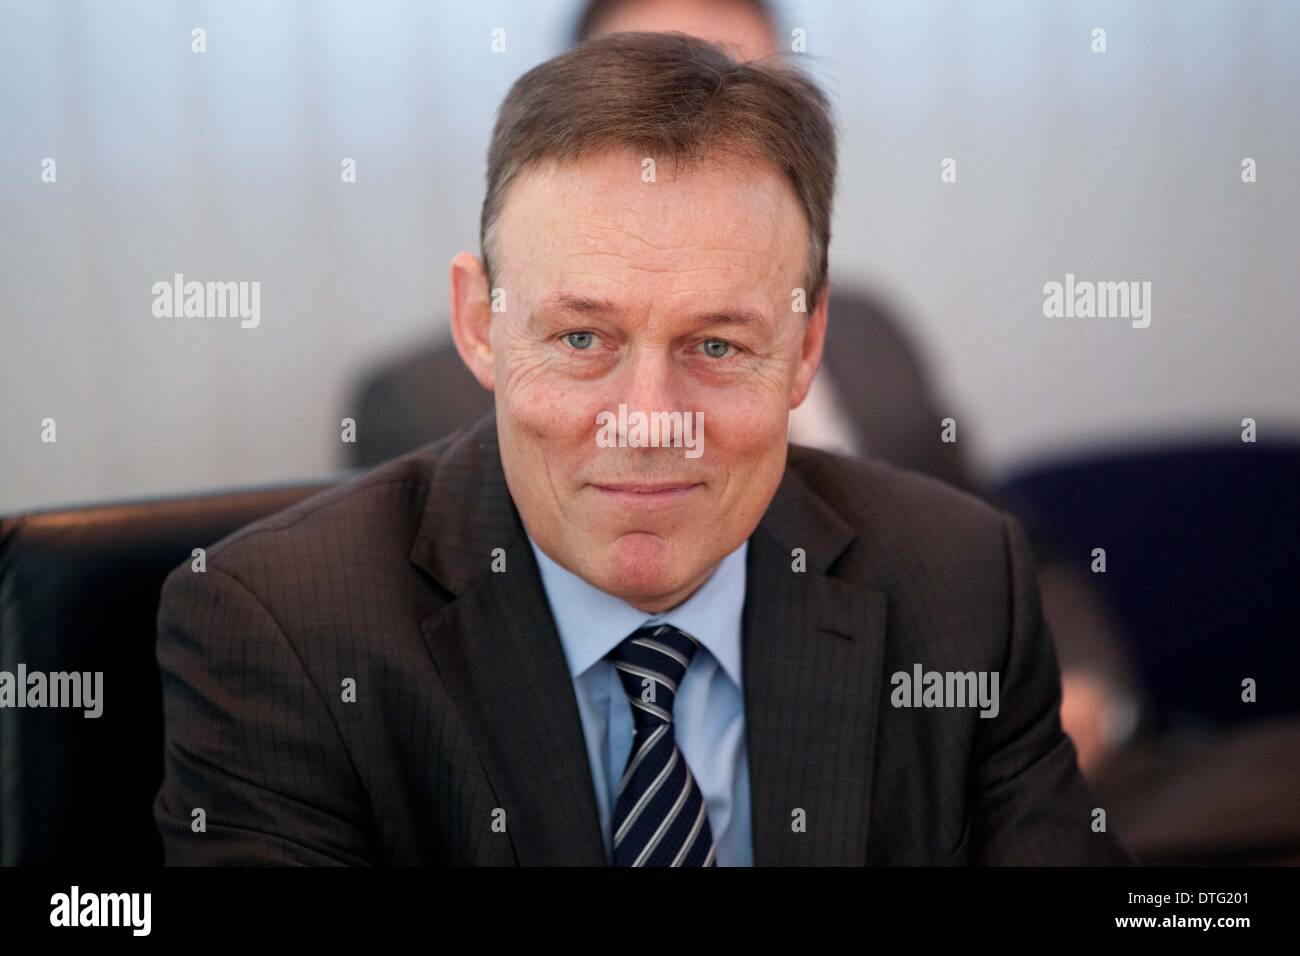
(591, 224)
(728, 254)
(632, 263)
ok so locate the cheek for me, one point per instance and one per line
(743, 426)
(541, 402)
(553, 421)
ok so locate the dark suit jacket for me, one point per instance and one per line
(464, 706)
(876, 371)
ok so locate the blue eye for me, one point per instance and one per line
(716, 348)
(579, 340)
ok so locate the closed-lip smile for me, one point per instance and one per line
(647, 492)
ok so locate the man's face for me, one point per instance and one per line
(667, 296)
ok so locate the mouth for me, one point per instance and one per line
(637, 493)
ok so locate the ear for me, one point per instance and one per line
(471, 317)
(810, 356)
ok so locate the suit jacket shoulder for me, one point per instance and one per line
(355, 537)
(905, 520)
(945, 585)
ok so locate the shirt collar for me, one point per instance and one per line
(592, 623)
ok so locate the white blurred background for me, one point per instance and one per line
(225, 166)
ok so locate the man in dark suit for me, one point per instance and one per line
(621, 620)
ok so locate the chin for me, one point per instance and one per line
(639, 567)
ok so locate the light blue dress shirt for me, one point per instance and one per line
(708, 711)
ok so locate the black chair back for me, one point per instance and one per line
(79, 592)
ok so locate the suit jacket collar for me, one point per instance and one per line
(812, 657)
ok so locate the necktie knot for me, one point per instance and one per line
(651, 663)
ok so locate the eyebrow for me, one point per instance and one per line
(583, 305)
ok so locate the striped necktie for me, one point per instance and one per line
(659, 818)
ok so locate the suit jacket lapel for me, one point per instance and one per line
(500, 657)
(812, 658)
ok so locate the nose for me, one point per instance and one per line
(651, 380)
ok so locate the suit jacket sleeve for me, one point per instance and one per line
(1031, 804)
(248, 737)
